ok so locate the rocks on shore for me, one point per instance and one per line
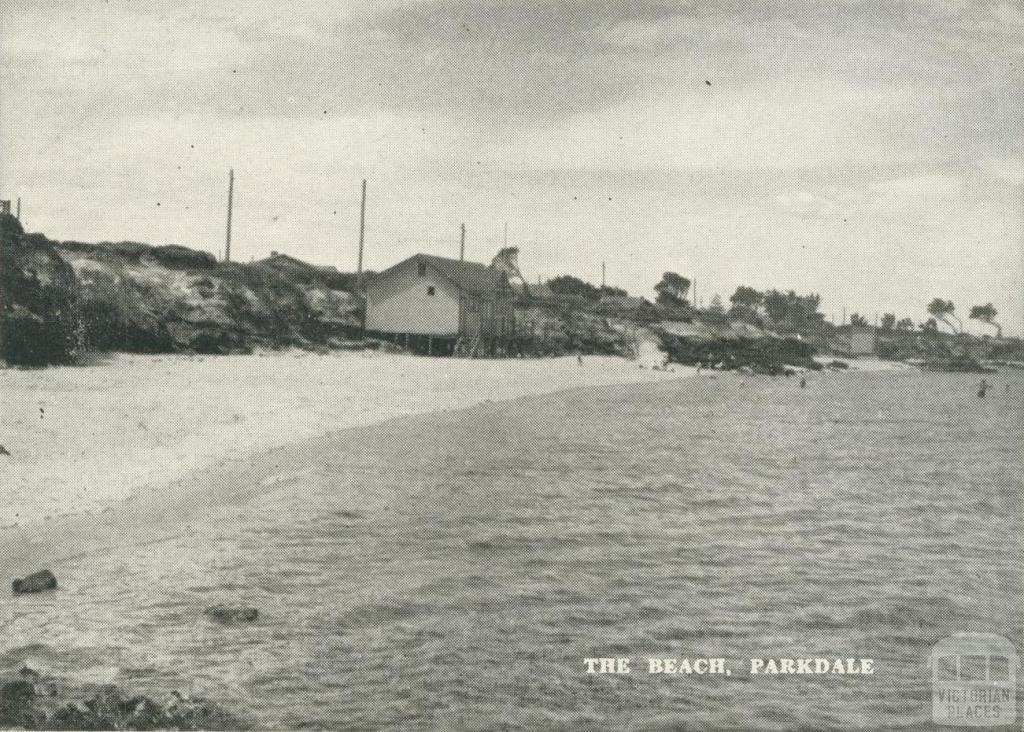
(30, 700)
(35, 582)
(3, 450)
(232, 614)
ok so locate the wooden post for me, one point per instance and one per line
(430, 345)
(231, 192)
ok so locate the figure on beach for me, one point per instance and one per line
(579, 358)
(803, 383)
(982, 388)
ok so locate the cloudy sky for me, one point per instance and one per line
(869, 150)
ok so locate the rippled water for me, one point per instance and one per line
(453, 571)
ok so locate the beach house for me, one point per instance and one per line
(441, 305)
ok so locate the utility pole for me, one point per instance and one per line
(695, 292)
(506, 235)
(844, 315)
(18, 215)
(231, 195)
(462, 243)
(362, 234)
(603, 281)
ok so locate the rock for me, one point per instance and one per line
(36, 582)
(3, 450)
(229, 614)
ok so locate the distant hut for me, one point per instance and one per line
(855, 340)
(441, 305)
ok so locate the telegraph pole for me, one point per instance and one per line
(462, 243)
(362, 234)
(18, 215)
(603, 280)
(231, 195)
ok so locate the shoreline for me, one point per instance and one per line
(161, 450)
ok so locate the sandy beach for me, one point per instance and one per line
(84, 439)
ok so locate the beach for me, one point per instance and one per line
(84, 439)
(452, 570)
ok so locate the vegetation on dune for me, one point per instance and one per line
(39, 300)
(761, 355)
(61, 298)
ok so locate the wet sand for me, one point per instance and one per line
(140, 441)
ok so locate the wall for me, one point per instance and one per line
(400, 303)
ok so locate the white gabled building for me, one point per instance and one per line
(440, 298)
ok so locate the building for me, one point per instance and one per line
(854, 340)
(442, 305)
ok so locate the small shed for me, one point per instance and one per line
(451, 302)
(855, 340)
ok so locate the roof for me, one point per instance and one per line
(473, 277)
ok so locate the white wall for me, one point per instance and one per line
(400, 304)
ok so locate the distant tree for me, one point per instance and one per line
(987, 314)
(569, 285)
(858, 319)
(716, 305)
(888, 321)
(613, 291)
(672, 290)
(931, 324)
(746, 297)
(792, 310)
(942, 311)
(776, 305)
(905, 324)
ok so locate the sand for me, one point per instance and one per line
(84, 439)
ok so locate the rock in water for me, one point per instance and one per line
(232, 614)
(3, 450)
(36, 582)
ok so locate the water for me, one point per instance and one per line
(453, 571)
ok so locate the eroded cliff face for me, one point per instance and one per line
(62, 298)
(39, 299)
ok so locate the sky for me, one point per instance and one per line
(867, 150)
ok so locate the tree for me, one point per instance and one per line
(613, 291)
(569, 285)
(905, 324)
(888, 321)
(942, 311)
(716, 305)
(931, 325)
(858, 319)
(672, 290)
(987, 314)
(776, 305)
(746, 297)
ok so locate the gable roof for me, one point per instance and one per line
(473, 277)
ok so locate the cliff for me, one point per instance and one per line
(61, 298)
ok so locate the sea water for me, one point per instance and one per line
(455, 570)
